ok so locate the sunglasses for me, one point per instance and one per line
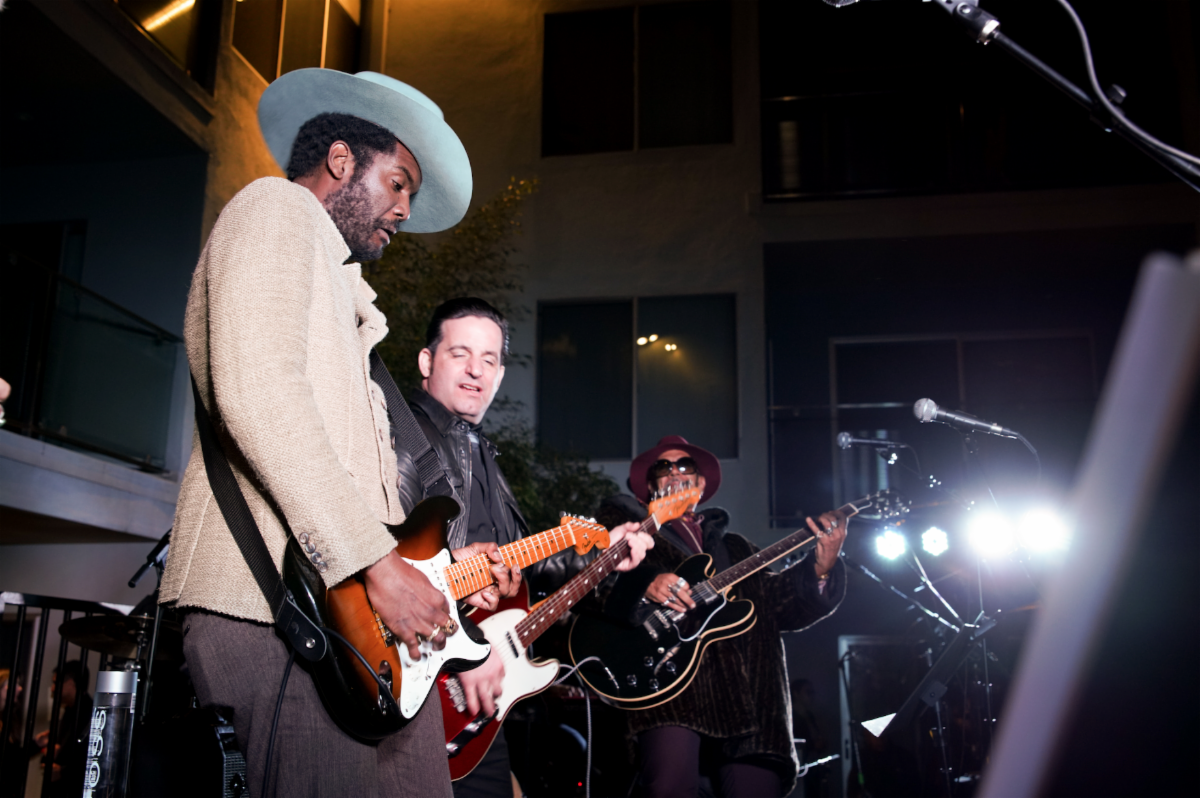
(684, 465)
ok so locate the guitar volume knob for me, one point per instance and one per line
(670, 666)
(648, 662)
(632, 680)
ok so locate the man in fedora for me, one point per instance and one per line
(278, 330)
(733, 723)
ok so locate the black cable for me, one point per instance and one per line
(384, 689)
(287, 671)
(1101, 98)
(1032, 450)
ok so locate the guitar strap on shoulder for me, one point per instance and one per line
(306, 637)
(408, 433)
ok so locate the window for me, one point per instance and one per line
(616, 376)
(637, 77)
(894, 99)
(277, 37)
(187, 30)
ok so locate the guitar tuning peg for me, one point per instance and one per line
(562, 513)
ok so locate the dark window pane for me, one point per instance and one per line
(689, 389)
(585, 378)
(186, 31)
(303, 29)
(256, 26)
(931, 111)
(341, 43)
(685, 83)
(897, 372)
(587, 82)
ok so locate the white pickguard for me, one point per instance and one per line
(521, 677)
(418, 677)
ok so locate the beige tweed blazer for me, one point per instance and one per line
(278, 331)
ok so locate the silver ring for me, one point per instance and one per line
(680, 583)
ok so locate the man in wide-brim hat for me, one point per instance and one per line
(278, 330)
(732, 723)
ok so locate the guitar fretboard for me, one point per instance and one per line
(756, 562)
(475, 573)
(539, 620)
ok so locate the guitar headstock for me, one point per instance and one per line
(673, 504)
(883, 504)
(587, 532)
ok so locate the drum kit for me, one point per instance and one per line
(176, 748)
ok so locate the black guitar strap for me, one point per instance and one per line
(408, 433)
(304, 635)
(306, 638)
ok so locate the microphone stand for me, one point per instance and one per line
(985, 29)
(156, 557)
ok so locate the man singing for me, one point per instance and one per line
(733, 723)
(278, 330)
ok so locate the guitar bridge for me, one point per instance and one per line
(454, 689)
(389, 639)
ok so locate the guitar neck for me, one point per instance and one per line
(475, 573)
(535, 623)
(756, 562)
(532, 626)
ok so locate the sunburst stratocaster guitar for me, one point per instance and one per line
(352, 693)
(644, 665)
(512, 631)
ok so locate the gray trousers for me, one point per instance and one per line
(239, 664)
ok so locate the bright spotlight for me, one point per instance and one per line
(890, 544)
(1043, 530)
(992, 534)
(935, 541)
(653, 338)
(642, 341)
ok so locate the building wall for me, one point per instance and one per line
(677, 220)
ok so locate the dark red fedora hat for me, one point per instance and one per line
(710, 466)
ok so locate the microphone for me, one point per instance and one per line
(927, 410)
(845, 440)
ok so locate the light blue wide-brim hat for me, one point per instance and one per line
(412, 117)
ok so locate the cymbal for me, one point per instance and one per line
(118, 635)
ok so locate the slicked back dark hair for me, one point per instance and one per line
(366, 141)
(461, 307)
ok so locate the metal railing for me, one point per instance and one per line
(25, 632)
(87, 373)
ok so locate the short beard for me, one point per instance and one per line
(350, 209)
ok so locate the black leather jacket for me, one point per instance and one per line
(449, 436)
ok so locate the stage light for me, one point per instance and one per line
(890, 544)
(935, 541)
(643, 341)
(653, 338)
(1043, 530)
(671, 347)
(992, 534)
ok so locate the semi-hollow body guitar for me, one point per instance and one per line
(644, 665)
(352, 693)
(511, 630)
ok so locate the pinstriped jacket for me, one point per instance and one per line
(278, 331)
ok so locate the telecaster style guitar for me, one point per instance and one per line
(512, 631)
(642, 666)
(348, 689)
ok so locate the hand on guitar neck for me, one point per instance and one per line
(483, 685)
(673, 591)
(508, 580)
